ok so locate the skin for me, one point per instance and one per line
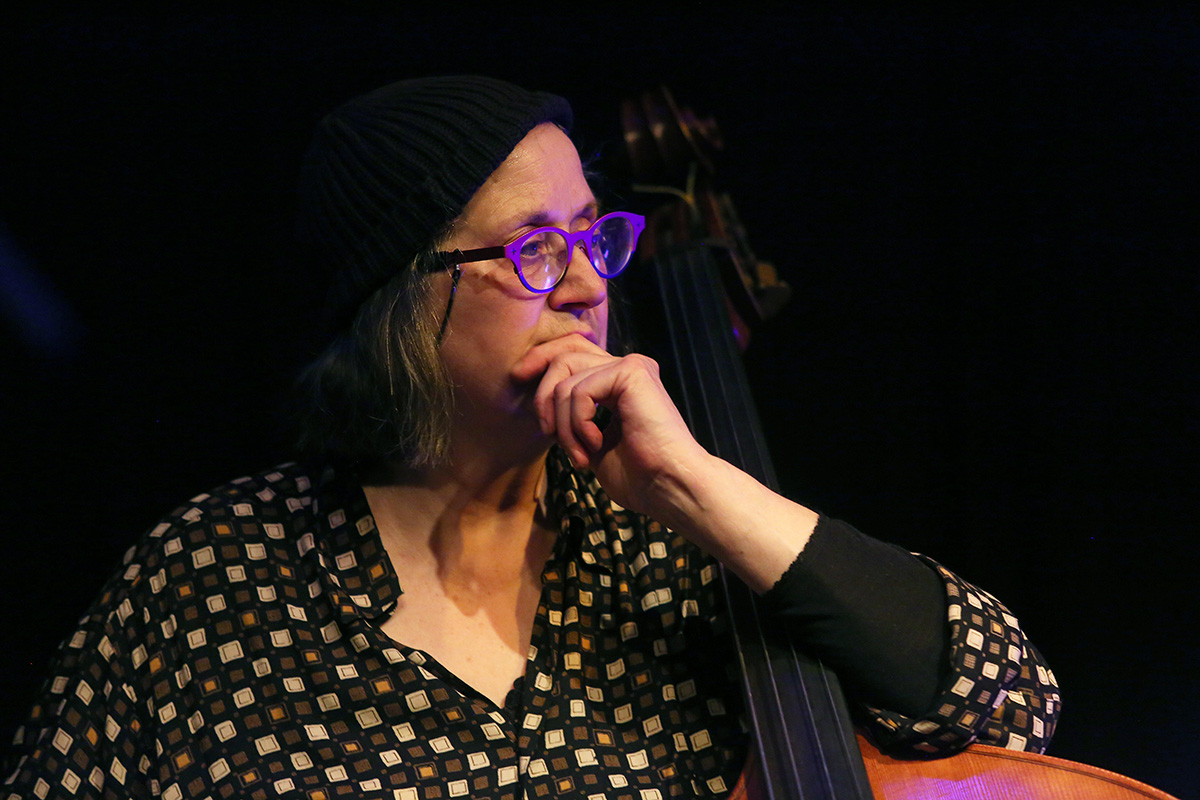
(468, 540)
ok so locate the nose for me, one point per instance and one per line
(581, 287)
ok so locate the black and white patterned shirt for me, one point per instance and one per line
(238, 653)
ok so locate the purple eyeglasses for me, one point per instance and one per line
(541, 257)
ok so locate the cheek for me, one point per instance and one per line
(602, 324)
(493, 332)
(494, 312)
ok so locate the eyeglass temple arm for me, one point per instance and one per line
(456, 257)
(454, 276)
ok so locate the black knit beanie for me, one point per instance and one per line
(389, 170)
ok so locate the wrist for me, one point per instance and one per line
(724, 511)
(680, 491)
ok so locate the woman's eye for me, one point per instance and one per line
(534, 246)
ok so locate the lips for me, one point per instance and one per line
(586, 333)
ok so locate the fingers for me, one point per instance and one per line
(627, 387)
(574, 404)
(566, 402)
(573, 377)
(560, 369)
(539, 358)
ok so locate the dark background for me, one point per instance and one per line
(988, 219)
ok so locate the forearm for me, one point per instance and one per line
(752, 530)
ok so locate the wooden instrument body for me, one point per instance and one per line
(982, 772)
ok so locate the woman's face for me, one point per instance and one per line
(495, 319)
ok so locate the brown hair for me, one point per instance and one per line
(379, 393)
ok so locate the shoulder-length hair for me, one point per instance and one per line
(380, 393)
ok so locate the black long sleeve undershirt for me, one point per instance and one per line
(872, 612)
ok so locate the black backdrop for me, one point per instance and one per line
(988, 220)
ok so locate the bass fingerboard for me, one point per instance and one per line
(805, 738)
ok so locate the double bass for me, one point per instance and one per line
(710, 289)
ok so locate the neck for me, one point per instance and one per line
(477, 519)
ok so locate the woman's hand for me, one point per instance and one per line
(645, 454)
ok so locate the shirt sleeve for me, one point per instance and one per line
(932, 662)
(998, 690)
(83, 738)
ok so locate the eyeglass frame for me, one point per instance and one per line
(512, 252)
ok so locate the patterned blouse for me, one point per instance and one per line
(238, 654)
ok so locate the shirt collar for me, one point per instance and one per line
(358, 575)
(354, 566)
(589, 528)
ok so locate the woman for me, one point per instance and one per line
(473, 586)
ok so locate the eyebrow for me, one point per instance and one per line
(542, 219)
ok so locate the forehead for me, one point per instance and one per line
(541, 178)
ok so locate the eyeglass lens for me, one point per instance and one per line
(545, 256)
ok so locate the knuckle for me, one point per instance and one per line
(644, 362)
(577, 394)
